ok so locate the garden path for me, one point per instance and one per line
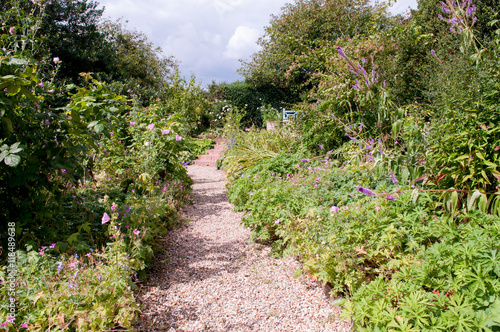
(210, 277)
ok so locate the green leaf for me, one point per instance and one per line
(7, 125)
(14, 148)
(490, 164)
(12, 160)
(13, 89)
(3, 155)
(483, 203)
(470, 203)
(465, 156)
(17, 62)
(494, 314)
(99, 128)
(414, 196)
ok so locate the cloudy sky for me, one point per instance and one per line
(207, 37)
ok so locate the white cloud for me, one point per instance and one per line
(242, 43)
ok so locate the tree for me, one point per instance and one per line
(70, 29)
(135, 63)
(291, 46)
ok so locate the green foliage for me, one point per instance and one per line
(71, 154)
(292, 46)
(134, 65)
(269, 113)
(451, 285)
(70, 31)
(249, 149)
(251, 98)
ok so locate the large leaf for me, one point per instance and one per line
(12, 160)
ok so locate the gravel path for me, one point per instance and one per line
(211, 278)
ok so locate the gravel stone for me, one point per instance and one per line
(210, 277)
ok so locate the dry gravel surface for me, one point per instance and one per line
(210, 277)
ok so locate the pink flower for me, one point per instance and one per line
(177, 138)
(111, 133)
(136, 232)
(47, 122)
(377, 208)
(53, 245)
(131, 124)
(64, 171)
(56, 60)
(12, 30)
(72, 264)
(277, 221)
(334, 209)
(165, 131)
(147, 144)
(105, 218)
(151, 126)
(52, 90)
(113, 207)
(25, 325)
(87, 255)
(40, 84)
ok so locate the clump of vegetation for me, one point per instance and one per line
(391, 192)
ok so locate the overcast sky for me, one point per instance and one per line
(207, 37)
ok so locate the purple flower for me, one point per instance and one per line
(12, 30)
(321, 146)
(364, 60)
(390, 198)
(433, 52)
(394, 180)
(304, 160)
(342, 54)
(471, 10)
(366, 191)
(47, 122)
